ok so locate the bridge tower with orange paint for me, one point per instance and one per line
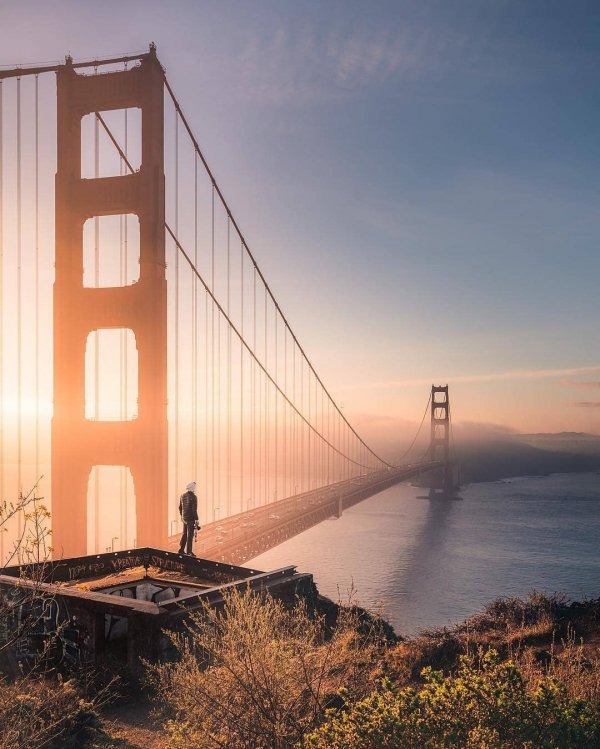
(79, 444)
(443, 482)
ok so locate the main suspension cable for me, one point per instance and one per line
(217, 305)
(412, 444)
(236, 331)
(254, 262)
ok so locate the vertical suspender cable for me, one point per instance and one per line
(323, 445)
(285, 439)
(346, 449)
(339, 443)
(19, 333)
(316, 439)
(122, 400)
(206, 391)
(347, 453)
(195, 332)
(323, 431)
(294, 420)
(309, 437)
(316, 436)
(302, 467)
(1, 310)
(259, 460)
(206, 387)
(176, 332)
(122, 366)
(212, 349)
(229, 394)
(37, 282)
(329, 440)
(218, 398)
(241, 378)
(96, 340)
(275, 495)
(125, 536)
(218, 425)
(315, 454)
(253, 385)
(267, 425)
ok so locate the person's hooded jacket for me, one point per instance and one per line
(188, 507)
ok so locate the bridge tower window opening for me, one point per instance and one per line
(111, 251)
(111, 391)
(112, 521)
(99, 157)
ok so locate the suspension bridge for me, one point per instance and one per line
(140, 342)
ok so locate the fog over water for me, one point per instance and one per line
(433, 563)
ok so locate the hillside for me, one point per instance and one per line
(526, 455)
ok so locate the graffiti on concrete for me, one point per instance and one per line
(44, 629)
(116, 564)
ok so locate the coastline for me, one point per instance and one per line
(431, 564)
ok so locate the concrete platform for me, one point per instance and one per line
(121, 603)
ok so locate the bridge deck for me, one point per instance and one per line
(241, 537)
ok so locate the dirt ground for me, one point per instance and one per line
(130, 726)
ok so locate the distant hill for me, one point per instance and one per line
(487, 452)
(490, 460)
(579, 443)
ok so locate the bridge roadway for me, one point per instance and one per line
(242, 537)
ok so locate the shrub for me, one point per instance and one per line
(486, 705)
(537, 610)
(38, 708)
(256, 675)
(39, 712)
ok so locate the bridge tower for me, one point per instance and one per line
(78, 444)
(443, 479)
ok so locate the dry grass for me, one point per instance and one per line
(37, 712)
(543, 634)
(256, 675)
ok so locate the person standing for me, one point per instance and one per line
(188, 509)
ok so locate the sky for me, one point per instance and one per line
(418, 180)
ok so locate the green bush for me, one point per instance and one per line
(485, 705)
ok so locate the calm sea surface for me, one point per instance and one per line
(433, 563)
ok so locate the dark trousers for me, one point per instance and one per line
(187, 537)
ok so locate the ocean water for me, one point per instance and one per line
(431, 563)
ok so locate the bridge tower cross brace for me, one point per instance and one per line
(78, 443)
(440, 438)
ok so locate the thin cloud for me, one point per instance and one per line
(518, 374)
(580, 383)
(282, 62)
(585, 404)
